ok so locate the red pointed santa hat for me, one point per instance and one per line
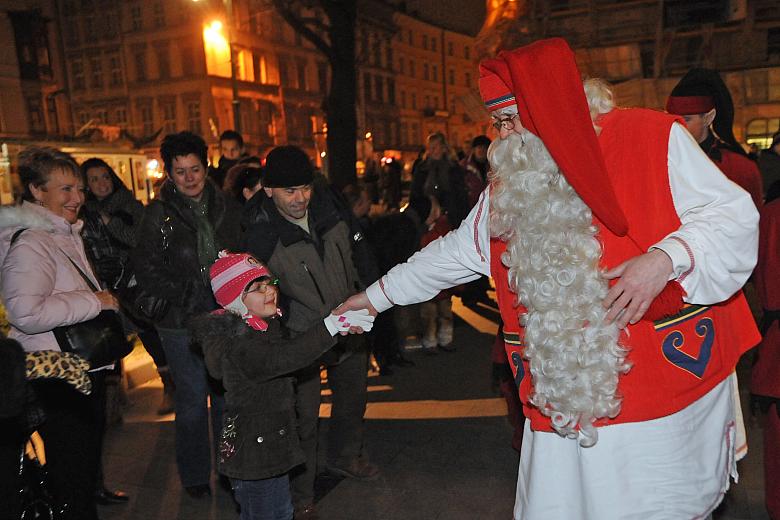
(542, 79)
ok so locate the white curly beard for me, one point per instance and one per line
(553, 259)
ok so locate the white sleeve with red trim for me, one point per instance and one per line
(458, 257)
(715, 249)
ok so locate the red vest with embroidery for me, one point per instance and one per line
(676, 360)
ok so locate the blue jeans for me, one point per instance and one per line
(266, 499)
(193, 449)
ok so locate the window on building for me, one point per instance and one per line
(379, 89)
(168, 108)
(414, 101)
(163, 62)
(301, 72)
(35, 115)
(136, 19)
(187, 60)
(159, 14)
(96, 69)
(411, 69)
(467, 80)
(436, 102)
(89, 28)
(467, 52)
(425, 41)
(773, 41)
(147, 119)
(284, 76)
(101, 116)
(427, 102)
(762, 86)
(193, 117)
(450, 49)
(426, 75)
(433, 44)
(322, 76)
(410, 37)
(120, 116)
(451, 77)
(391, 91)
(115, 70)
(367, 90)
(54, 120)
(77, 70)
(404, 129)
(259, 67)
(140, 65)
(83, 117)
(389, 56)
(401, 68)
(376, 51)
(435, 72)
(760, 131)
(403, 98)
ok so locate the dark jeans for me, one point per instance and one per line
(69, 433)
(347, 380)
(266, 499)
(193, 388)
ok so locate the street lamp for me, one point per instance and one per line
(213, 37)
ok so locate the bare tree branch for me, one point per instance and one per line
(287, 12)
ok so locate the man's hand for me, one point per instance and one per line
(640, 280)
(355, 302)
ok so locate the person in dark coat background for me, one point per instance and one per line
(769, 163)
(703, 100)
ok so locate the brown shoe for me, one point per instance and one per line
(358, 469)
(305, 513)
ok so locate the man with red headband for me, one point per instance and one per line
(618, 250)
(704, 102)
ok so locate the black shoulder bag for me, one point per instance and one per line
(101, 340)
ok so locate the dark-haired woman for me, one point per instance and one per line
(112, 217)
(243, 180)
(41, 290)
(183, 230)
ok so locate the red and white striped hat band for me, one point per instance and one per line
(495, 93)
(231, 273)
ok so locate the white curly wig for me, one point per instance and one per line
(553, 259)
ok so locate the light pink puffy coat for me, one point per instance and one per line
(40, 288)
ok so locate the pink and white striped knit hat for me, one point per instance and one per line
(230, 274)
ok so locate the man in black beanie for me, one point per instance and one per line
(296, 229)
(703, 100)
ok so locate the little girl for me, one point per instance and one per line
(247, 348)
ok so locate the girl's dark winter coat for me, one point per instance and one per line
(259, 438)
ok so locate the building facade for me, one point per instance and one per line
(645, 46)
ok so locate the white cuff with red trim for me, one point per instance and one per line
(680, 254)
(377, 297)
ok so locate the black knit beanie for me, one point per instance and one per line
(287, 166)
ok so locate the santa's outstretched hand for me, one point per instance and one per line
(356, 302)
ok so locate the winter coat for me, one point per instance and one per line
(259, 438)
(317, 271)
(108, 246)
(769, 164)
(165, 261)
(448, 188)
(40, 288)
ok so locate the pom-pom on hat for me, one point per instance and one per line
(550, 98)
(287, 166)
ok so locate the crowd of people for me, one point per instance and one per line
(618, 244)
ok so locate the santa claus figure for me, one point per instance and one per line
(618, 250)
